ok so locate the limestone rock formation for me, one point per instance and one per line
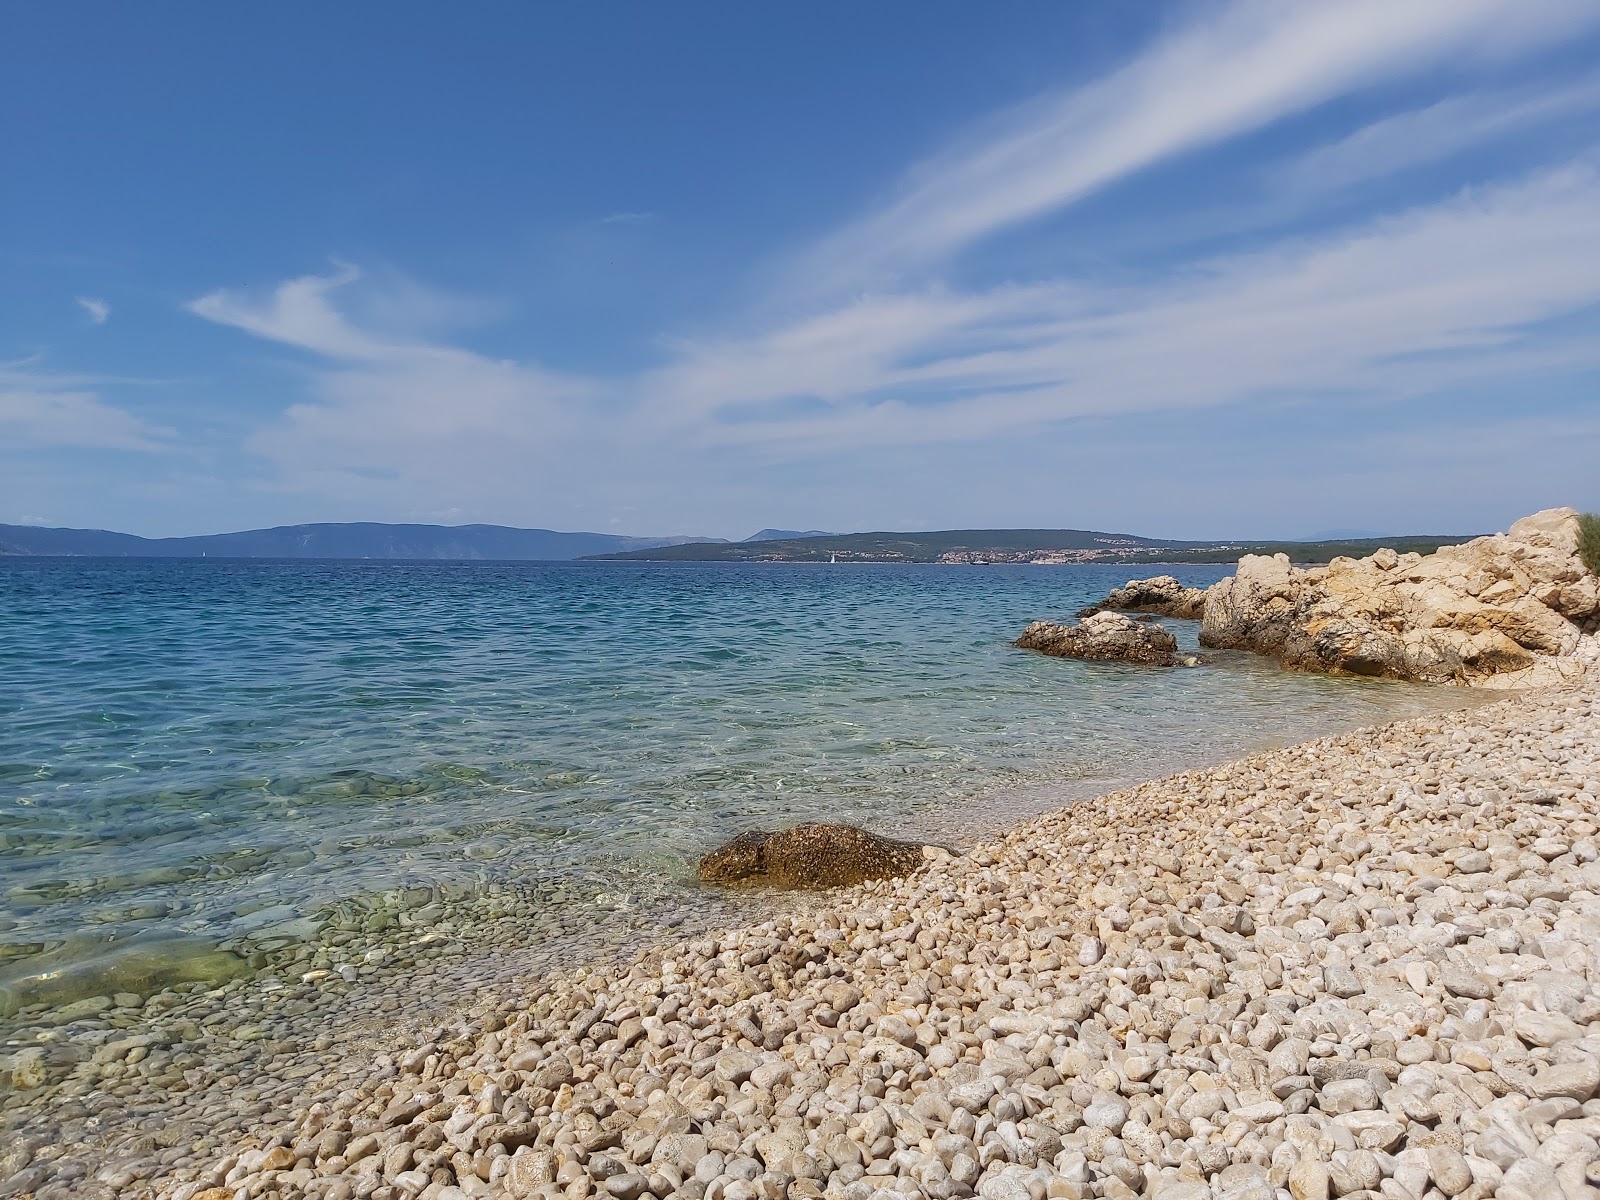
(813, 856)
(1162, 595)
(1510, 610)
(1103, 636)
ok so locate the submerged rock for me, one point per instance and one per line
(137, 968)
(813, 856)
(1103, 636)
(1162, 595)
(1511, 610)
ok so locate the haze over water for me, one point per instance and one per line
(212, 749)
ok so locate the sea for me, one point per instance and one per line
(218, 754)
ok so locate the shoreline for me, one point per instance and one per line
(183, 1057)
(1038, 773)
(762, 1057)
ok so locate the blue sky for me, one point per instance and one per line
(1199, 269)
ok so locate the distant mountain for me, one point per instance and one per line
(369, 539)
(357, 539)
(948, 545)
(784, 535)
(1343, 535)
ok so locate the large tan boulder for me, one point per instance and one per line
(1517, 609)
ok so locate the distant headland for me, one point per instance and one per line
(1041, 546)
(380, 540)
(345, 539)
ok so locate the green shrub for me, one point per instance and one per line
(1589, 541)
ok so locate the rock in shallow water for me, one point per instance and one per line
(1105, 636)
(138, 968)
(813, 856)
(1162, 595)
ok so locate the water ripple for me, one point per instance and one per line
(190, 742)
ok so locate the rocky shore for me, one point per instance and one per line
(1513, 610)
(1366, 966)
(1103, 636)
(1161, 595)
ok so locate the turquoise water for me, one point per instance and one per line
(205, 748)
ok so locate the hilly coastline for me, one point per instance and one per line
(1044, 546)
(380, 540)
(355, 539)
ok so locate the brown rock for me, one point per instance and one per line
(810, 856)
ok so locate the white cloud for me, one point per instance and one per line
(852, 353)
(296, 313)
(1432, 134)
(99, 311)
(627, 218)
(1252, 62)
(1410, 304)
(385, 406)
(1405, 304)
(40, 409)
(301, 313)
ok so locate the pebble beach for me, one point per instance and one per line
(1363, 966)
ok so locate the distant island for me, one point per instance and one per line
(1041, 546)
(379, 540)
(350, 539)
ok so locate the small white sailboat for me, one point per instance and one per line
(833, 558)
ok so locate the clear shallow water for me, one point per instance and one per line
(220, 750)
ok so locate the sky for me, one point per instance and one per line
(1199, 269)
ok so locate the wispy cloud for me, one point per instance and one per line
(1435, 133)
(99, 311)
(1494, 282)
(295, 313)
(42, 409)
(384, 404)
(386, 319)
(1401, 306)
(1248, 65)
(1404, 304)
(627, 218)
